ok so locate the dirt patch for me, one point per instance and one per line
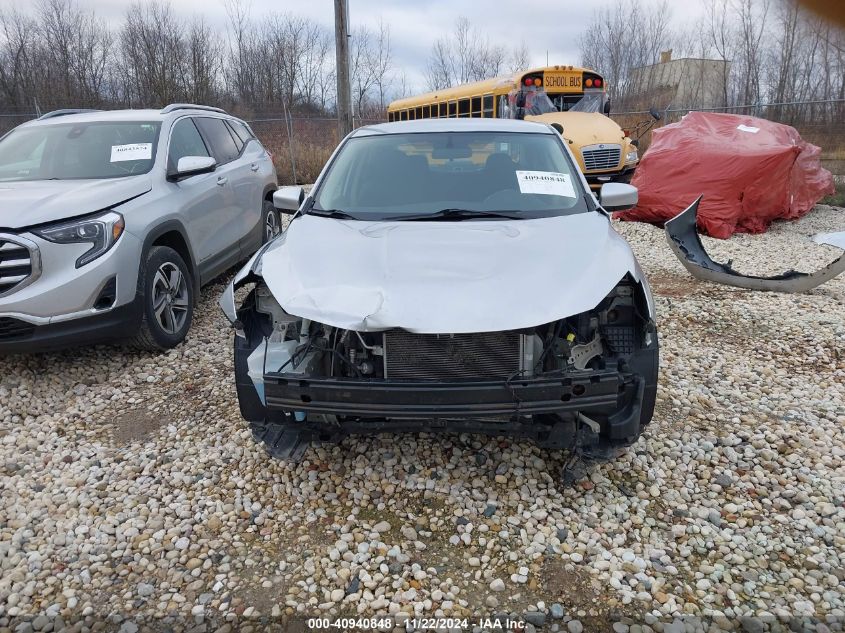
(253, 593)
(136, 425)
(668, 285)
(582, 596)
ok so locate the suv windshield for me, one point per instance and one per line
(69, 151)
(526, 175)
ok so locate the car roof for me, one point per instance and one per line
(454, 125)
(139, 114)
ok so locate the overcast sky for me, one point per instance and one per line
(546, 26)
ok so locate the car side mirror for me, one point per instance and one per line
(191, 166)
(606, 107)
(288, 199)
(558, 127)
(617, 196)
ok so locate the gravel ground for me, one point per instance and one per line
(130, 486)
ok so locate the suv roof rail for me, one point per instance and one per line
(55, 113)
(190, 106)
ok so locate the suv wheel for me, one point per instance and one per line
(272, 223)
(168, 295)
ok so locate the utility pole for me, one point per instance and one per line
(341, 45)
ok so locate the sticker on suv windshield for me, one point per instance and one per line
(549, 183)
(135, 151)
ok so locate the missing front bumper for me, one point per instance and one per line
(684, 241)
(549, 411)
(592, 391)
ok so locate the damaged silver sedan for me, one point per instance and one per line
(447, 275)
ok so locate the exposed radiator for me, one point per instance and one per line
(601, 156)
(485, 355)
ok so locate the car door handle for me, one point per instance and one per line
(254, 167)
(222, 180)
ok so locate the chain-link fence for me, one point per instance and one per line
(819, 122)
(301, 145)
(8, 120)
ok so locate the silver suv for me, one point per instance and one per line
(111, 221)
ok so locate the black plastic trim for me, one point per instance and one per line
(597, 390)
(109, 327)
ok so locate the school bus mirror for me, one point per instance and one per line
(558, 127)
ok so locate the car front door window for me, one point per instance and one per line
(185, 140)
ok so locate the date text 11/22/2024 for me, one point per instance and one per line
(387, 623)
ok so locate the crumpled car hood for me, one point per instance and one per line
(31, 202)
(445, 277)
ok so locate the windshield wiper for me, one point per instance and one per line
(331, 213)
(453, 214)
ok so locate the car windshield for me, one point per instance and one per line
(70, 151)
(525, 175)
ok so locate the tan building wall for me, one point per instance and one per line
(694, 83)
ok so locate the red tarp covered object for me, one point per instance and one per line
(751, 171)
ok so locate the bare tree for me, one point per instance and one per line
(361, 69)
(371, 62)
(382, 61)
(624, 36)
(519, 58)
(18, 52)
(204, 62)
(720, 32)
(464, 56)
(152, 53)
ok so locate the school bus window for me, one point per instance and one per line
(453, 109)
(488, 106)
(463, 108)
(441, 110)
(390, 117)
(426, 112)
(419, 113)
(476, 106)
(403, 116)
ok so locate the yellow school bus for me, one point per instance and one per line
(575, 98)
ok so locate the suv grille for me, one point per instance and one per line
(18, 263)
(601, 157)
(484, 355)
(14, 328)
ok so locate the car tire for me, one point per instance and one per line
(271, 223)
(167, 290)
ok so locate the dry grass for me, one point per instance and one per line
(308, 158)
(837, 199)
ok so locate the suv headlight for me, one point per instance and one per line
(632, 156)
(101, 232)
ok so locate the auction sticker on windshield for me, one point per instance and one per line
(135, 151)
(549, 183)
